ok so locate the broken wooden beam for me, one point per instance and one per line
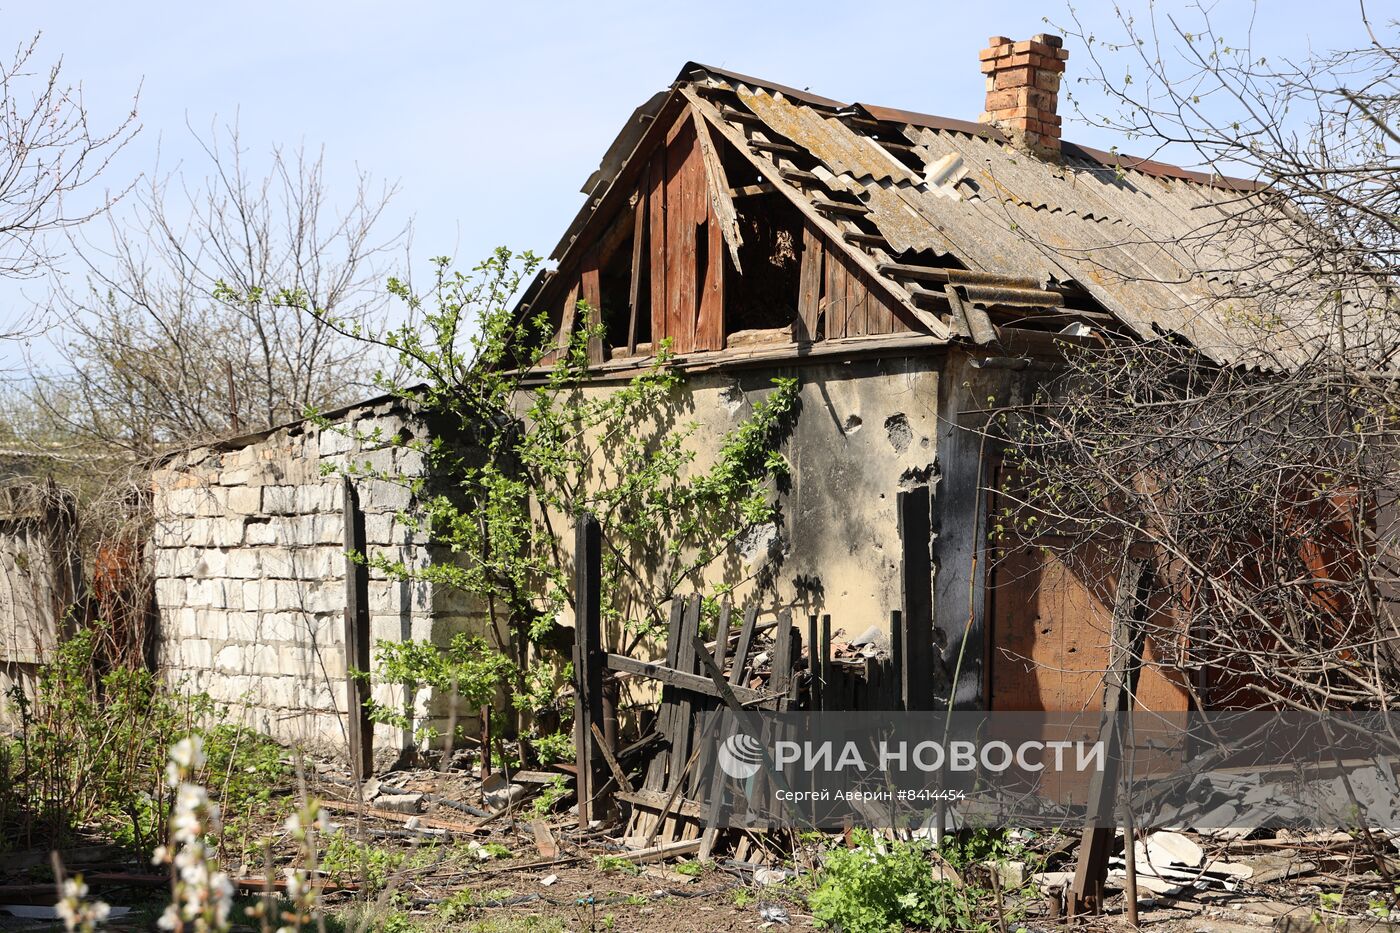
(766, 146)
(680, 679)
(840, 207)
(750, 191)
(717, 183)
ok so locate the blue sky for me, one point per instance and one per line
(490, 116)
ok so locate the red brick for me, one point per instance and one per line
(998, 40)
(1025, 76)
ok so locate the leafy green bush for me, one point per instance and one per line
(244, 770)
(91, 749)
(467, 669)
(884, 887)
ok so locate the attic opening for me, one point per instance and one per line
(614, 293)
(762, 304)
(622, 290)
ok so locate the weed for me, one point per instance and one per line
(693, 869)
(90, 749)
(553, 792)
(616, 863)
(877, 887)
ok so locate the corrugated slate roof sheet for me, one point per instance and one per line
(1146, 241)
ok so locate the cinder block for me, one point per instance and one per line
(170, 593)
(210, 562)
(211, 501)
(279, 500)
(245, 500)
(267, 531)
(318, 497)
(332, 441)
(384, 496)
(246, 563)
(224, 532)
(196, 653)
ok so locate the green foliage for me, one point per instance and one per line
(467, 668)
(371, 866)
(244, 770)
(554, 746)
(521, 443)
(553, 792)
(90, 749)
(880, 886)
(617, 863)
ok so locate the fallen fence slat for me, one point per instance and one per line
(682, 680)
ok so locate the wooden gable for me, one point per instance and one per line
(690, 244)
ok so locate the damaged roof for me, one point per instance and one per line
(952, 218)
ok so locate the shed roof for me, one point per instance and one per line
(1156, 246)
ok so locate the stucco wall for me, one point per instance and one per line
(864, 430)
(250, 573)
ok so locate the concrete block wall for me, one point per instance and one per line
(250, 574)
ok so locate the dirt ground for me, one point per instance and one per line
(446, 861)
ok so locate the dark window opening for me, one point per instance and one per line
(614, 296)
(643, 323)
(764, 294)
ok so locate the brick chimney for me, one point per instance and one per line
(1023, 89)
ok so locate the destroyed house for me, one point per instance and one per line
(913, 273)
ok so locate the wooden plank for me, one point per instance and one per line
(681, 680)
(685, 663)
(566, 323)
(640, 240)
(588, 666)
(593, 294)
(814, 696)
(809, 288)
(741, 650)
(660, 853)
(721, 205)
(781, 677)
(544, 839)
(859, 297)
(655, 801)
(677, 783)
(656, 771)
(686, 204)
(722, 633)
(834, 297)
(750, 191)
(357, 635)
(656, 256)
(833, 234)
(619, 775)
(916, 574)
(709, 321)
(1129, 636)
(825, 665)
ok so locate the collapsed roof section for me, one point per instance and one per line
(708, 221)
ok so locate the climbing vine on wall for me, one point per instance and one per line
(522, 440)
